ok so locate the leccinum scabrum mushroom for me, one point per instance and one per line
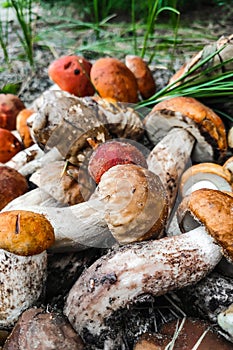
(24, 238)
(155, 267)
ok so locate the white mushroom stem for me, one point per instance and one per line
(36, 197)
(155, 267)
(76, 227)
(46, 158)
(169, 158)
(22, 280)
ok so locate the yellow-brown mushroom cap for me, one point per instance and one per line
(207, 120)
(214, 209)
(25, 233)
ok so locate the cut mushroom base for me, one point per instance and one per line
(153, 267)
(22, 281)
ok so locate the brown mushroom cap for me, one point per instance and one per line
(112, 78)
(214, 173)
(211, 208)
(9, 145)
(12, 185)
(10, 106)
(135, 203)
(25, 233)
(143, 75)
(208, 122)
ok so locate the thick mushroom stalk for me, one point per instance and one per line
(169, 158)
(155, 267)
(129, 205)
(22, 283)
(24, 238)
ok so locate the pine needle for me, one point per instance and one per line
(199, 82)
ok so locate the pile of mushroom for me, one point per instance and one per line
(159, 222)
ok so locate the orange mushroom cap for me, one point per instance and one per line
(112, 79)
(72, 74)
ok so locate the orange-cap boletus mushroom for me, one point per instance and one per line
(22, 127)
(72, 74)
(205, 175)
(206, 127)
(24, 238)
(143, 75)
(112, 78)
(9, 145)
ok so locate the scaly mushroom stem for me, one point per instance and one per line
(22, 281)
(169, 158)
(117, 279)
(154, 267)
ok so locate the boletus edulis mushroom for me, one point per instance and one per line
(116, 280)
(24, 238)
(128, 205)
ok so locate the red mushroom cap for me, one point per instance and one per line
(72, 74)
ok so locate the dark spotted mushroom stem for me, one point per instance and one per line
(155, 267)
(24, 238)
